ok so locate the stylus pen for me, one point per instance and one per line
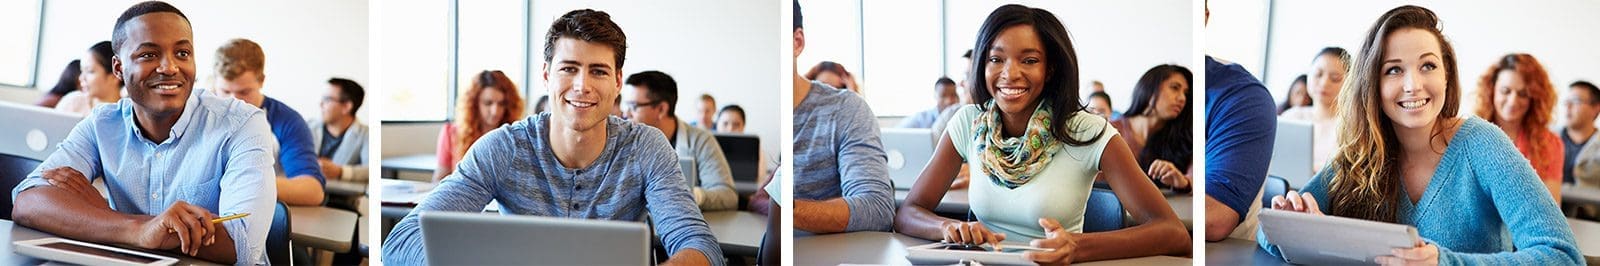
(229, 217)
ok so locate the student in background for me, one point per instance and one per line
(171, 157)
(1037, 154)
(1407, 158)
(99, 86)
(1097, 86)
(575, 161)
(730, 119)
(652, 97)
(1157, 125)
(944, 97)
(1239, 136)
(240, 72)
(707, 113)
(341, 140)
(67, 83)
(1099, 104)
(834, 75)
(540, 105)
(841, 175)
(1328, 71)
(1516, 95)
(1298, 97)
(964, 95)
(1582, 160)
(490, 102)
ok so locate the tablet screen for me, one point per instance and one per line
(75, 248)
(969, 247)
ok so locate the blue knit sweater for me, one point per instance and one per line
(1484, 206)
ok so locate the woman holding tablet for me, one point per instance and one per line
(1406, 158)
(1034, 154)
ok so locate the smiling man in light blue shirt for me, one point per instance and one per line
(171, 157)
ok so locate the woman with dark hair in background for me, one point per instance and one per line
(1516, 94)
(1405, 157)
(100, 87)
(1157, 126)
(491, 101)
(1298, 96)
(1099, 104)
(1327, 76)
(67, 83)
(1034, 153)
(834, 75)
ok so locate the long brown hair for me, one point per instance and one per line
(1365, 183)
(1541, 97)
(467, 118)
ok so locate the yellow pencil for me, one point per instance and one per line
(229, 217)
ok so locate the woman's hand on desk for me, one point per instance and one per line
(1057, 239)
(75, 183)
(1167, 173)
(970, 233)
(1297, 201)
(1423, 254)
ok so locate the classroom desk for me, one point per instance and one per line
(1587, 234)
(954, 201)
(11, 232)
(346, 188)
(1183, 204)
(1581, 195)
(322, 227)
(424, 163)
(890, 248)
(1239, 252)
(738, 232)
(745, 188)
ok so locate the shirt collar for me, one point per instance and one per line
(178, 129)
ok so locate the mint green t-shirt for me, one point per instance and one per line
(1060, 191)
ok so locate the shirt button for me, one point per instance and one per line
(155, 195)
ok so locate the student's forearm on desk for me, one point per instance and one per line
(1220, 220)
(828, 216)
(300, 191)
(1164, 236)
(688, 257)
(54, 210)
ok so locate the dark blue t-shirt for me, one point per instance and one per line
(1240, 124)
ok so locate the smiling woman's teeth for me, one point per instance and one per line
(1413, 104)
(1011, 91)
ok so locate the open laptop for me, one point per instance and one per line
(1331, 240)
(743, 152)
(1291, 152)
(33, 132)
(691, 173)
(457, 238)
(909, 151)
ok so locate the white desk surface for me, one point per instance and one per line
(346, 188)
(414, 162)
(11, 232)
(954, 201)
(890, 248)
(1587, 234)
(739, 232)
(1239, 252)
(322, 227)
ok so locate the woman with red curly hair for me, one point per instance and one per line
(1516, 94)
(491, 101)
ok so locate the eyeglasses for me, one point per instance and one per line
(331, 99)
(634, 106)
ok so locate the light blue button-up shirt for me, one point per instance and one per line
(219, 157)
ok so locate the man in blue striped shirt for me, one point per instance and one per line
(575, 160)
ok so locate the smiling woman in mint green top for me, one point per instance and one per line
(1405, 158)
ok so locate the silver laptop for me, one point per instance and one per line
(1331, 240)
(1292, 149)
(31, 131)
(456, 238)
(691, 173)
(909, 151)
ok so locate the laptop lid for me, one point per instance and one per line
(743, 152)
(691, 173)
(1291, 152)
(458, 238)
(909, 151)
(33, 132)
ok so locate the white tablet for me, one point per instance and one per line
(951, 253)
(1327, 240)
(77, 252)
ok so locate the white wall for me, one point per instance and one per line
(724, 48)
(306, 41)
(1561, 34)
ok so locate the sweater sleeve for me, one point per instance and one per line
(1539, 232)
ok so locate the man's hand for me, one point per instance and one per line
(184, 226)
(75, 183)
(329, 169)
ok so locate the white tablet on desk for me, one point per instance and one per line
(84, 253)
(951, 253)
(1328, 240)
